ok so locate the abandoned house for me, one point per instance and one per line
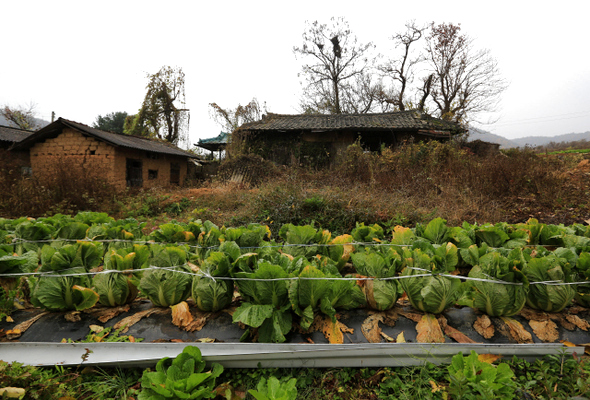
(8, 137)
(123, 160)
(318, 138)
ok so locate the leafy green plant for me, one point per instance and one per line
(552, 296)
(183, 377)
(266, 303)
(471, 378)
(69, 287)
(505, 298)
(273, 389)
(167, 287)
(432, 293)
(380, 294)
(212, 294)
(117, 288)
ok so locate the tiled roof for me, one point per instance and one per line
(115, 139)
(214, 144)
(401, 120)
(13, 135)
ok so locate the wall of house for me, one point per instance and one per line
(161, 164)
(71, 150)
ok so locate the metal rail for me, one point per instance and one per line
(255, 355)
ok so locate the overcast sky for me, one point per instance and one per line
(82, 59)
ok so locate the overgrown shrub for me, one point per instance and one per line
(65, 188)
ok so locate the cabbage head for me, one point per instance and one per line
(432, 293)
(547, 297)
(379, 294)
(583, 269)
(212, 295)
(497, 299)
(167, 287)
(116, 288)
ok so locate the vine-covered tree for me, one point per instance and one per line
(163, 113)
(21, 117)
(112, 122)
(466, 81)
(336, 58)
(231, 119)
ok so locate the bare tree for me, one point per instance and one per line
(232, 119)
(163, 113)
(399, 73)
(21, 117)
(466, 81)
(336, 58)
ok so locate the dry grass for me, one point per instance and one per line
(407, 185)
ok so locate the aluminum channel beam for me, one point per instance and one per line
(254, 355)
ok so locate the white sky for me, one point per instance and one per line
(81, 59)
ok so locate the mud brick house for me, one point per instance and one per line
(319, 138)
(8, 137)
(123, 160)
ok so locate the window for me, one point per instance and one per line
(152, 174)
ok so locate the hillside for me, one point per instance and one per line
(532, 141)
(543, 140)
(475, 134)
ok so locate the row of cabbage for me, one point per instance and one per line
(78, 261)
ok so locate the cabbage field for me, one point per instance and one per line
(301, 280)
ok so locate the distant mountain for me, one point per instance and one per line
(475, 134)
(543, 140)
(532, 141)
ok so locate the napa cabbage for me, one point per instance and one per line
(504, 291)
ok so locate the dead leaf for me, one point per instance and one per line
(205, 340)
(483, 326)
(412, 316)
(568, 344)
(390, 316)
(400, 338)
(529, 314)
(9, 319)
(96, 328)
(563, 322)
(131, 320)
(333, 331)
(23, 326)
(370, 328)
(514, 330)
(73, 316)
(429, 330)
(12, 392)
(579, 322)
(104, 314)
(457, 336)
(199, 321)
(12, 334)
(387, 337)
(181, 315)
(545, 330)
(489, 358)
(176, 340)
(435, 386)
